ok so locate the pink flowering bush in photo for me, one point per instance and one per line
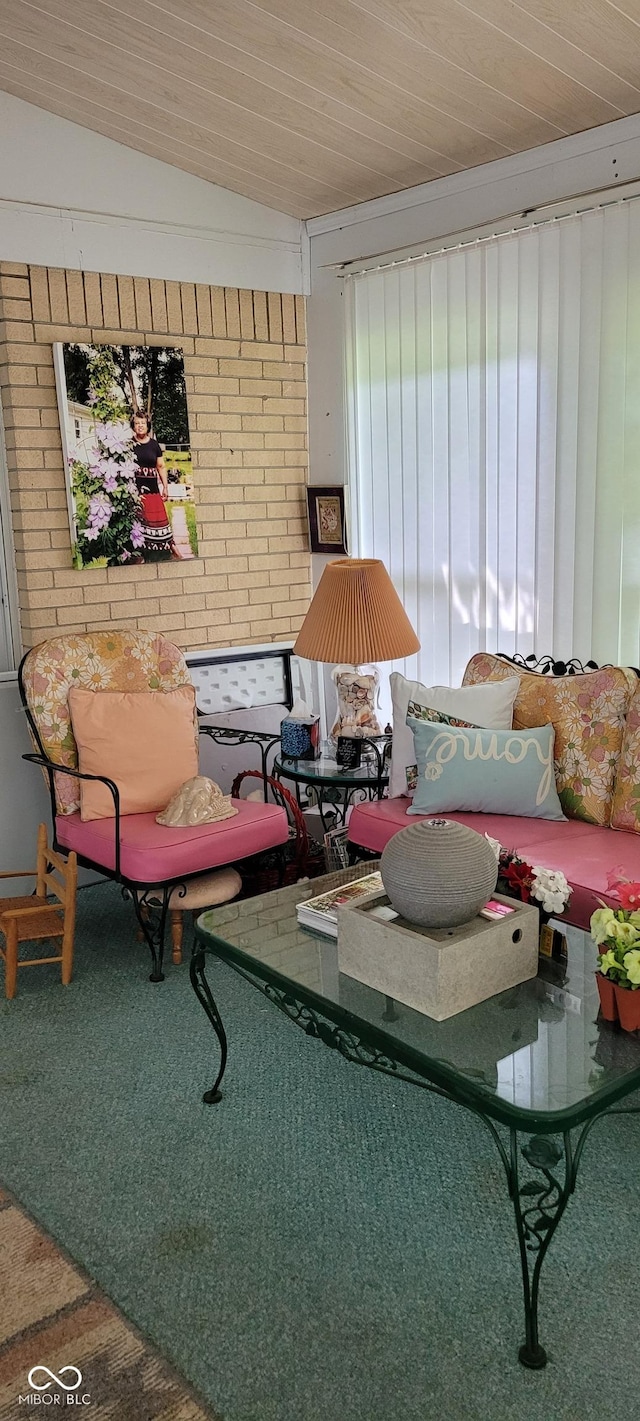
(109, 531)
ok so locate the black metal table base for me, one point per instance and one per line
(539, 1193)
(333, 802)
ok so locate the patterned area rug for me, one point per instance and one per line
(62, 1342)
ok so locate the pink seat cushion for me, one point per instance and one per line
(153, 853)
(371, 825)
(585, 853)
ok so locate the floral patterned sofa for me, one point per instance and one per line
(596, 716)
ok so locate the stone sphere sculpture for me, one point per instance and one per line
(438, 873)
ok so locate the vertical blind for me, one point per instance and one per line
(494, 440)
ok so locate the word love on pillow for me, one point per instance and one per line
(484, 771)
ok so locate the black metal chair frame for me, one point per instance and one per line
(150, 901)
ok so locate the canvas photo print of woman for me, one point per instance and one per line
(125, 437)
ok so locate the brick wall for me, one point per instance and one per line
(244, 355)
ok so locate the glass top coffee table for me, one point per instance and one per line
(536, 1064)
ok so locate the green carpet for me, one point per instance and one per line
(326, 1244)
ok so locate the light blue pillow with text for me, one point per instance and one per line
(486, 771)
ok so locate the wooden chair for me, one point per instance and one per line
(33, 917)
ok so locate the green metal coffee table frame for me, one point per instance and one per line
(540, 1149)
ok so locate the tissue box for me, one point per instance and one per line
(300, 739)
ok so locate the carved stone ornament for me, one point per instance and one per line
(198, 801)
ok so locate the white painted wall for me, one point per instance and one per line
(598, 159)
(24, 800)
(71, 198)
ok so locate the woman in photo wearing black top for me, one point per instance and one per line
(153, 488)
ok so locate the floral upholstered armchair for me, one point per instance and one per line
(150, 859)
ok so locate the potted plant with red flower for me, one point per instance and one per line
(545, 888)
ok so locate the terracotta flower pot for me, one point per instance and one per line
(607, 994)
(628, 1004)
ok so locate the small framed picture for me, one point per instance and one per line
(327, 530)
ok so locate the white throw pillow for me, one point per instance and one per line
(489, 705)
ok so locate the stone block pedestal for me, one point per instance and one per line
(438, 971)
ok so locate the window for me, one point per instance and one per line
(494, 432)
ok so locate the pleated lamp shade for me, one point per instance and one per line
(356, 616)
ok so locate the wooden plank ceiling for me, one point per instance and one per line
(312, 105)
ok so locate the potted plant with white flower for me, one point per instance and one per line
(616, 932)
(545, 888)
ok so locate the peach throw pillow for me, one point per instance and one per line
(146, 741)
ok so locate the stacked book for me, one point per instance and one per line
(321, 913)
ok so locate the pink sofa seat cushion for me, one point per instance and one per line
(153, 853)
(585, 853)
(371, 825)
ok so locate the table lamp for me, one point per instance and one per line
(356, 619)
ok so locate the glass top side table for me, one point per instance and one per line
(333, 790)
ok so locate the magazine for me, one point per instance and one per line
(321, 913)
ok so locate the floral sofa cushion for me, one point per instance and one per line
(99, 661)
(625, 812)
(588, 715)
